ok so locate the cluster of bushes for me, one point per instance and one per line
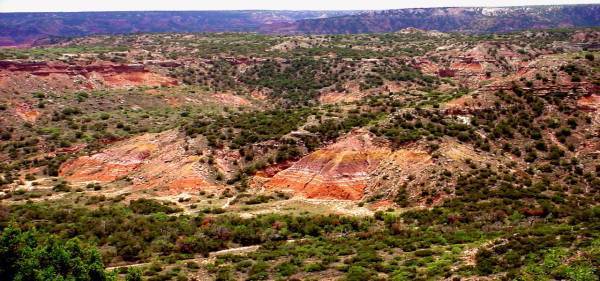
(405, 73)
(297, 80)
(142, 230)
(539, 253)
(408, 127)
(514, 125)
(241, 129)
(36, 256)
(332, 128)
(404, 250)
(148, 206)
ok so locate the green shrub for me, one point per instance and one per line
(149, 206)
(133, 274)
(358, 273)
(27, 256)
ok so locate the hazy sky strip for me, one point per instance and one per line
(169, 5)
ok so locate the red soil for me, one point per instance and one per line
(352, 93)
(150, 161)
(106, 166)
(339, 171)
(59, 75)
(591, 102)
(131, 79)
(272, 170)
(336, 97)
(26, 112)
(467, 66)
(231, 100)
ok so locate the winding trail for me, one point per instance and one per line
(211, 256)
(229, 200)
(204, 260)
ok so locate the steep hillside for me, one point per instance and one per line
(160, 161)
(338, 171)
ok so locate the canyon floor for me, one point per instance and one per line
(413, 155)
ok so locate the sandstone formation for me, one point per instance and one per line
(26, 112)
(589, 102)
(420, 174)
(62, 75)
(149, 161)
(338, 171)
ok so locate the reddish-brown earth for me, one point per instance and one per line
(134, 79)
(26, 112)
(260, 94)
(336, 97)
(467, 104)
(150, 161)
(338, 171)
(403, 166)
(60, 75)
(590, 102)
(351, 93)
(111, 164)
(231, 100)
(470, 67)
(272, 170)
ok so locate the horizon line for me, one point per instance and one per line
(302, 10)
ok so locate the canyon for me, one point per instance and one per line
(408, 155)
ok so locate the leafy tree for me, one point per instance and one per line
(26, 256)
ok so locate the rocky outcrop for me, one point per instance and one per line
(401, 167)
(338, 171)
(422, 177)
(91, 75)
(43, 68)
(150, 161)
(589, 102)
(351, 93)
(26, 112)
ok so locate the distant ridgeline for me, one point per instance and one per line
(39, 28)
(470, 20)
(30, 28)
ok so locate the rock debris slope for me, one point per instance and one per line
(338, 171)
(149, 161)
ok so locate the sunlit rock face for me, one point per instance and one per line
(338, 171)
(149, 161)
